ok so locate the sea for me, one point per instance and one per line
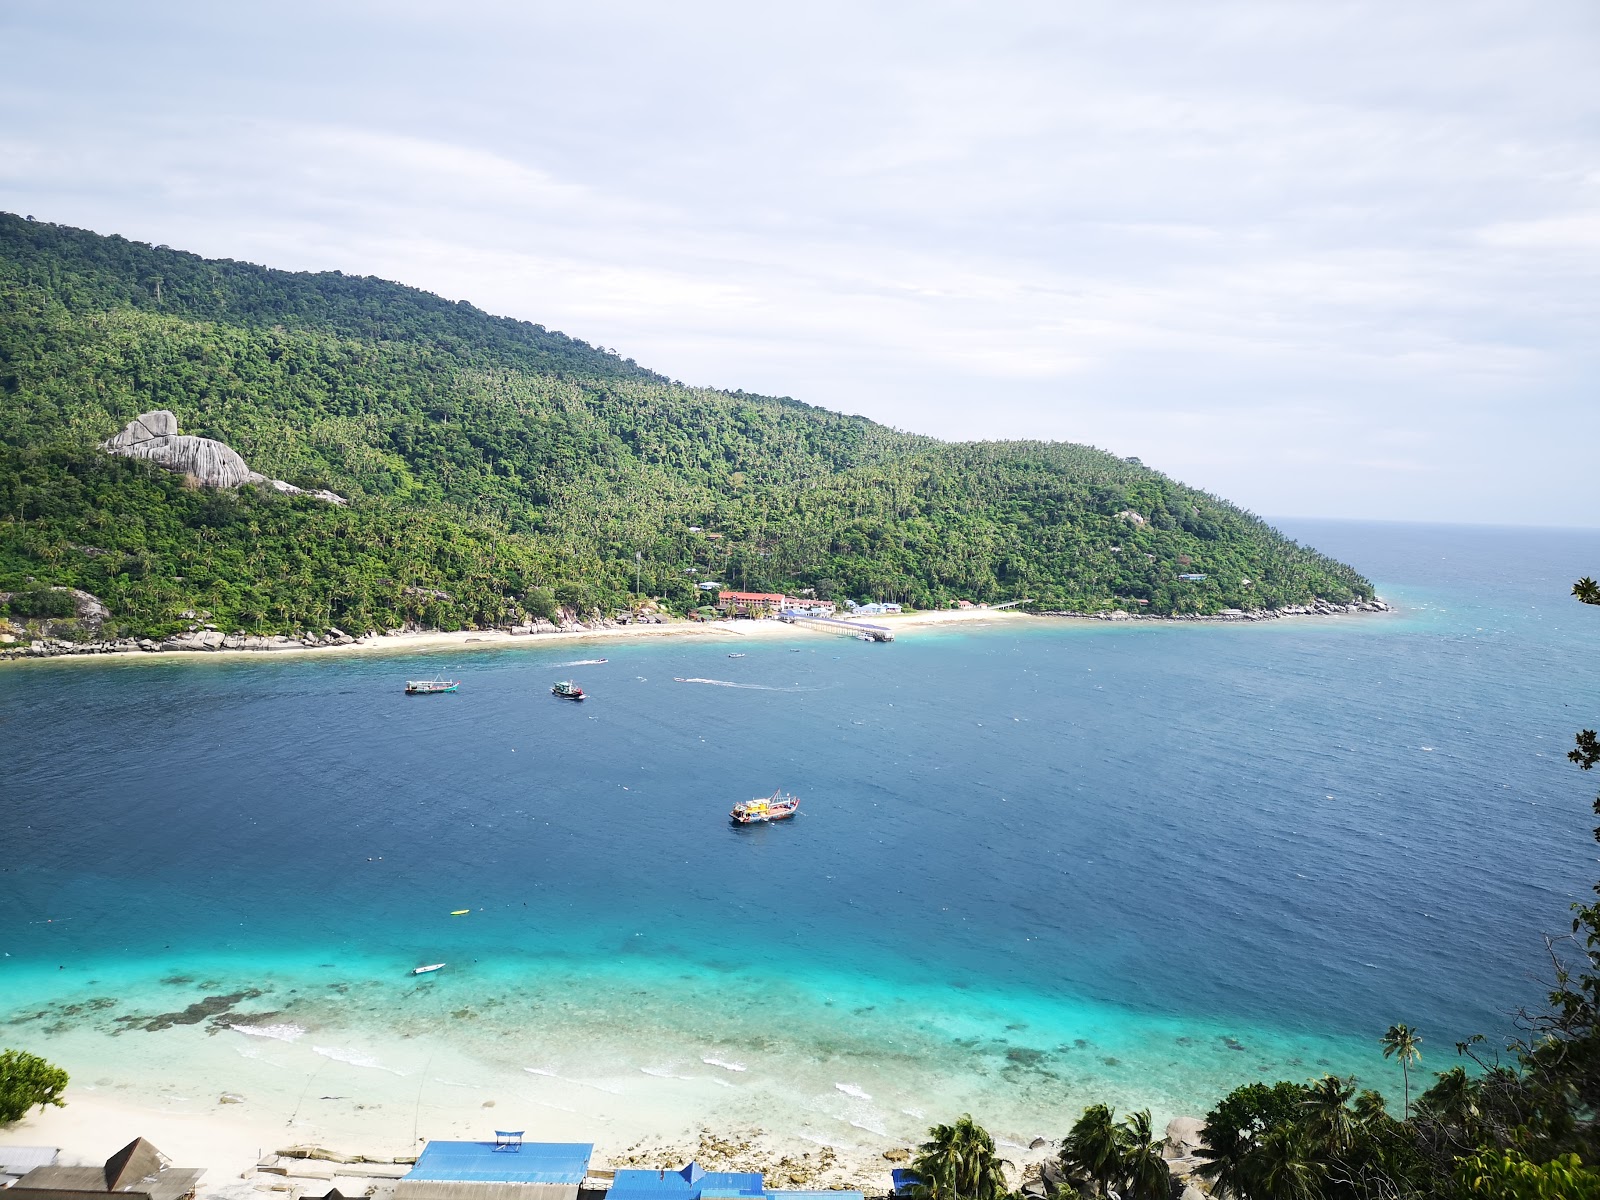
(1038, 863)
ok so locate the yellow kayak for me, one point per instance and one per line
(460, 912)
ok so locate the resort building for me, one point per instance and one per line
(17, 1161)
(505, 1169)
(810, 607)
(136, 1172)
(751, 602)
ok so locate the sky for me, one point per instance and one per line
(1331, 259)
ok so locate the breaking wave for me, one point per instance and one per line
(281, 1033)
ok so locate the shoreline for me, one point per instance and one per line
(360, 1063)
(414, 641)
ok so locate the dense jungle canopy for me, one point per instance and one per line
(491, 464)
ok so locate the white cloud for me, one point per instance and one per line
(1335, 259)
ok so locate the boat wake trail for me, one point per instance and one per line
(583, 662)
(754, 687)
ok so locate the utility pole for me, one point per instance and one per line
(638, 559)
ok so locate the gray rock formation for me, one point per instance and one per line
(1185, 1135)
(155, 436)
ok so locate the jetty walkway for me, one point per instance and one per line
(878, 633)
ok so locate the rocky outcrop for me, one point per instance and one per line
(1319, 608)
(194, 639)
(1185, 1136)
(155, 436)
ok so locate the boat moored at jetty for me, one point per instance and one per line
(427, 687)
(765, 809)
(567, 690)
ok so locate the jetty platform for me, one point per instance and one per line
(878, 633)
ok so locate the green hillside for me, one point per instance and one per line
(498, 462)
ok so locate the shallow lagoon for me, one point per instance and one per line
(1035, 866)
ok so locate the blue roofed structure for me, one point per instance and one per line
(904, 1181)
(499, 1170)
(691, 1183)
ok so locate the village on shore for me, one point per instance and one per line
(506, 1165)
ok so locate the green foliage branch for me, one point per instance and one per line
(28, 1081)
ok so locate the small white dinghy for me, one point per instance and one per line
(426, 969)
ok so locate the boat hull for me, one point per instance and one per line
(766, 819)
(766, 810)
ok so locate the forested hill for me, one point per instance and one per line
(491, 464)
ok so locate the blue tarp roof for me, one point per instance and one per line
(532, 1162)
(904, 1181)
(691, 1183)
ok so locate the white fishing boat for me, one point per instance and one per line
(428, 687)
(425, 970)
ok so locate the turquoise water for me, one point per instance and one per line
(1034, 865)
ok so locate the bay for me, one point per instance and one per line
(1038, 863)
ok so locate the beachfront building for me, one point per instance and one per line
(17, 1161)
(692, 1183)
(808, 606)
(751, 603)
(136, 1172)
(505, 1169)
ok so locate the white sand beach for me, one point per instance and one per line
(432, 640)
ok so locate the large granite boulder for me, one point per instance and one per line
(1185, 1135)
(155, 436)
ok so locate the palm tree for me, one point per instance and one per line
(1144, 1172)
(1282, 1167)
(1093, 1147)
(1401, 1041)
(958, 1163)
(1587, 590)
(1326, 1102)
(1371, 1111)
(1453, 1100)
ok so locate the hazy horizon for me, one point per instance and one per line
(1343, 262)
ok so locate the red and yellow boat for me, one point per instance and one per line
(765, 809)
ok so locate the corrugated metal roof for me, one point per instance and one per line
(691, 1183)
(532, 1162)
(19, 1160)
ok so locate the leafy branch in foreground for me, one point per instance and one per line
(26, 1081)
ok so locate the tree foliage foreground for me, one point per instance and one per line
(28, 1081)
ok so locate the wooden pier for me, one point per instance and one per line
(877, 633)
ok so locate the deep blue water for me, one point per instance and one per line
(1307, 825)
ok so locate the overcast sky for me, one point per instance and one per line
(1324, 259)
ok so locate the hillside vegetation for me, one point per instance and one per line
(492, 464)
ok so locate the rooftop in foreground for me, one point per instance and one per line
(526, 1162)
